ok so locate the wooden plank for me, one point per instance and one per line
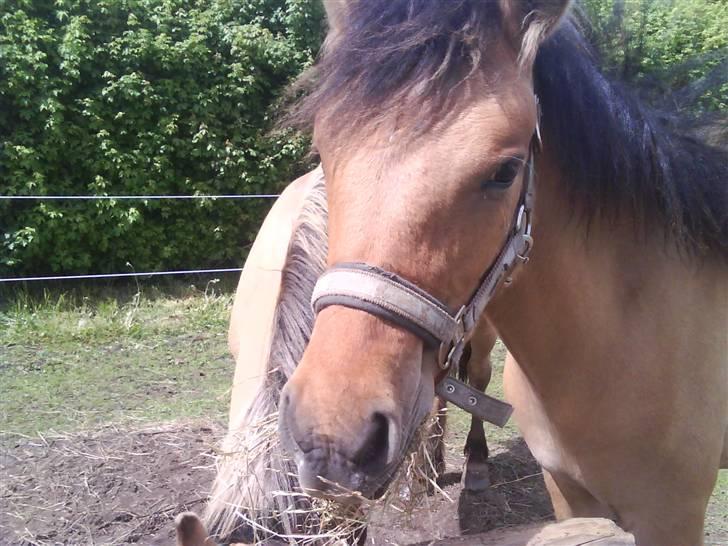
(571, 532)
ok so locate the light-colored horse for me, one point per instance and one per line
(424, 117)
(252, 315)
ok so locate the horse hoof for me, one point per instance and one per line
(476, 477)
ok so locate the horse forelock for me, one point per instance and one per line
(403, 56)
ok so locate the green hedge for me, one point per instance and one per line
(143, 97)
(175, 97)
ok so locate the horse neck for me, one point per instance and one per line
(592, 293)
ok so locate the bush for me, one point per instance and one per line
(673, 49)
(143, 97)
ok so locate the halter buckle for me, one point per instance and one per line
(528, 245)
(519, 218)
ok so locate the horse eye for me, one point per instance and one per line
(505, 175)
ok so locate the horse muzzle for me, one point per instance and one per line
(342, 468)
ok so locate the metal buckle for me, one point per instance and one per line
(524, 231)
(522, 213)
(523, 255)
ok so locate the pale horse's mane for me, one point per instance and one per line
(253, 495)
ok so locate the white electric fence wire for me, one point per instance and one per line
(128, 197)
(131, 197)
(116, 275)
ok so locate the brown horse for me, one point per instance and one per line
(425, 119)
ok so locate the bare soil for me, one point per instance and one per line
(517, 497)
(124, 486)
(108, 487)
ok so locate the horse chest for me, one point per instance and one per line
(546, 445)
(539, 432)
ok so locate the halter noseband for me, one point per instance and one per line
(388, 296)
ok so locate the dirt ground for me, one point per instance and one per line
(517, 497)
(120, 486)
(124, 486)
(109, 487)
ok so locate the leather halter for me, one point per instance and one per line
(388, 296)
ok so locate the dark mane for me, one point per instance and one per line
(618, 157)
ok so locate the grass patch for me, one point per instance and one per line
(716, 520)
(72, 361)
(459, 421)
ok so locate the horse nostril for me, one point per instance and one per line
(292, 440)
(379, 445)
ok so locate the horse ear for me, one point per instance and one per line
(190, 531)
(530, 22)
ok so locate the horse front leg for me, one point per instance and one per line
(475, 475)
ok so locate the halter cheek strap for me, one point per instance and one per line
(388, 296)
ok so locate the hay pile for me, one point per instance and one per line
(257, 498)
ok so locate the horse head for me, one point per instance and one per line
(424, 117)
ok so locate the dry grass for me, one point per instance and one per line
(266, 503)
